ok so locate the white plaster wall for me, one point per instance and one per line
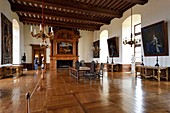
(155, 11)
(152, 12)
(84, 46)
(32, 40)
(5, 8)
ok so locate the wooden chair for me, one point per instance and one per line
(92, 72)
(77, 64)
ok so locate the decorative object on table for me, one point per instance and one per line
(113, 46)
(142, 61)
(96, 49)
(6, 40)
(157, 65)
(112, 61)
(107, 60)
(24, 58)
(155, 39)
(133, 59)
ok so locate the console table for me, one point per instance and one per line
(154, 72)
(11, 70)
(112, 67)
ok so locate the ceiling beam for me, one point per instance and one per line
(59, 24)
(56, 14)
(142, 2)
(77, 7)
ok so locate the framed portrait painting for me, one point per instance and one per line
(6, 29)
(155, 39)
(113, 46)
(96, 49)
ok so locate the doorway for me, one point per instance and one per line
(38, 52)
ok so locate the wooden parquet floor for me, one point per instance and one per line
(115, 93)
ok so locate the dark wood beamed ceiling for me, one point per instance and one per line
(80, 14)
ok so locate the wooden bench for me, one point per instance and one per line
(153, 72)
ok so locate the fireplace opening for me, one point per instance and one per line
(64, 63)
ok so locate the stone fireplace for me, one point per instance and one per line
(64, 48)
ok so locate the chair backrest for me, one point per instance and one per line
(82, 63)
(92, 67)
(77, 64)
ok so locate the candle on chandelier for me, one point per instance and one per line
(34, 31)
(51, 29)
(40, 27)
(31, 28)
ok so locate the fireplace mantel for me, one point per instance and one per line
(64, 46)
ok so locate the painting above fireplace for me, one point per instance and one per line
(65, 48)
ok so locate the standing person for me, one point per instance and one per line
(36, 64)
(42, 68)
(42, 65)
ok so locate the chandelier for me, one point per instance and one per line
(131, 41)
(42, 33)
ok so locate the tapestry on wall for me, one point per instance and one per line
(6, 29)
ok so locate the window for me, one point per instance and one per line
(137, 36)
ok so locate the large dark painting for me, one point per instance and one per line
(6, 29)
(155, 39)
(113, 46)
(96, 49)
(64, 48)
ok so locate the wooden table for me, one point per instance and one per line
(154, 72)
(77, 72)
